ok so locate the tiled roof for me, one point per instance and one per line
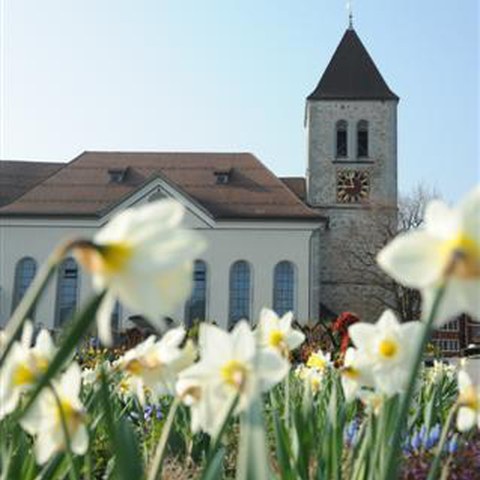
(352, 74)
(84, 186)
(17, 177)
(297, 185)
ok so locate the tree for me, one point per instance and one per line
(385, 222)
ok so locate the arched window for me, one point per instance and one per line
(362, 139)
(196, 307)
(67, 291)
(24, 272)
(240, 291)
(341, 139)
(284, 287)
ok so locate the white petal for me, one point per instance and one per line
(388, 321)
(215, 344)
(450, 305)
(27, 334)
(286, 321)
(470, 211)
(71, 381)
(79, 441)
(295, 339)
(413, 259)
(272, 368)
(174, 337)
(441, 221)
(243, 341)
(466, 419)
(362, 334)
(104, 319)
(464, 380)
(44, 344)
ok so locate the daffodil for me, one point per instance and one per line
(56, 412)
(155, 364)
(319, 360)
(277, 333)
(143, 259)
(446, 250)
(23, 367)
(356, 374)
(231, 365)
(469, 403)
(311, 377)
(388, 349)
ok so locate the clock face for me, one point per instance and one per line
(352, 186)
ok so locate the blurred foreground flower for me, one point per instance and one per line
(355, 374)
(447, 248)
(230, 364)
(142, 258)
(155, 364)
(388, 348)
(277, 333)
(469, 403)
(23, 367)
(44, 419)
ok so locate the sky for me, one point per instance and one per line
(231, 76)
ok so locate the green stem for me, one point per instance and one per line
(432, 474)
(156, 468)
(394, 453)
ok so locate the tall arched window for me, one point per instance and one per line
(284, 287)
(196, 307)
(24, 272)
(362, 139)
(240, 291)
(67, 291)
(341, 139)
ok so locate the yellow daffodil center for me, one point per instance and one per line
(387, 348)
(139, 365)
(316, 361)
(350, 372)
(72, 416)
(275, 339)
(105, 259)
(469, 398)
(28, 372)
(233, 373)
(464, 256)
(315, 384)
(23, 375)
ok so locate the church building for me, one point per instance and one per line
(285, 243)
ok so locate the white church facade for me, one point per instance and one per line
(271, 241)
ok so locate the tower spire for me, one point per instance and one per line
(350, 14)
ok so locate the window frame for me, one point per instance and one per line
(363, 127)
(341, 126)
(231, 320)
(60, 323)
(188, 320)
(17, 287)
(278, 265)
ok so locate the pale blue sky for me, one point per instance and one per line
(232, 75)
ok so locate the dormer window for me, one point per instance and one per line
(362, 139)
(341, 144)
(222, 177)
(117, 175)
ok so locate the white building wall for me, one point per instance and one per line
(262, 244)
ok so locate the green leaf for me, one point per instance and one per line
(214, 468)
(124, 445)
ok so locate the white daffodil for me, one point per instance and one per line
(155, 364)
(23, 367)
(388, 348)
(44, 419)
(311, 377)
(469, 403)
(319, 360)
(142, 258)
(447, 248)
(230, 365)
(356, 374)
(277, 333)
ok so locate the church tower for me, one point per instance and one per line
(351, 121)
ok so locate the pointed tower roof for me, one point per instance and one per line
(352, 74)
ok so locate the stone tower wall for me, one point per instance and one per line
(348, 277)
